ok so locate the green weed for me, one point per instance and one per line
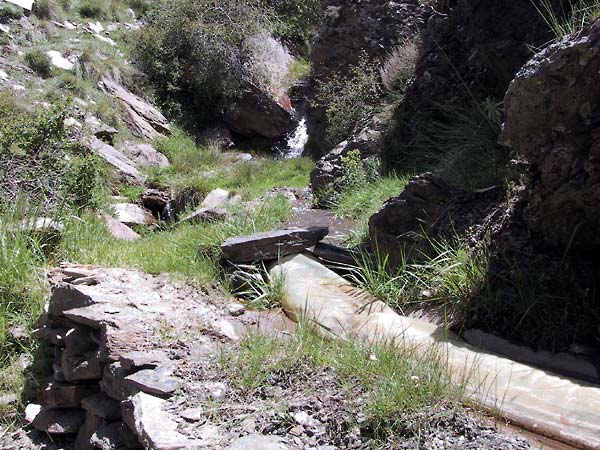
(395, 383)
(575, 18)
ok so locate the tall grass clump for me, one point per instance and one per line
(459, 144)
(453, 277)
(570, 19)
(22, 286)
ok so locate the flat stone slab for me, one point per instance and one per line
(555, 406)
(271, 244)
(154, 381)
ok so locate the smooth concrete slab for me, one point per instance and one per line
(558, 407)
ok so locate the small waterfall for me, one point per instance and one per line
(297, 141)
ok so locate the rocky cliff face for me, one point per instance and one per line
(470, 51)
(349, 30)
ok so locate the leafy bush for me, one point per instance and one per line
(196, 52)
(39, 62)
(48, 9)
(83, 182)
(349, 99)
(297, 22)
(40, 165)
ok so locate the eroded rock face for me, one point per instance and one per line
(551, 109)
(144, 120)
(470, 52)
(349, 30)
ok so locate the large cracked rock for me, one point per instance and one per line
(144, 120)
(551, 123)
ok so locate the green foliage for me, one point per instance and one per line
(355, 176)
(452, 278)
(87, 241)
(22, 287)
(262, 292)
(10, 12)
(48, 9)
(107, 9)
(395, 383)
(84, 182)
(196, 52)
(298, 21)
(349, 99)
(39, 62)
(362, 202)
(32, 152)
(572, 19)
(299, 70)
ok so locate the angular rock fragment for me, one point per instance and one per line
(55, 421)
(60, 395)
(219, 198)
(154, 381)
(123, 165)
(145, 155)
(271, 244)
(155, 428)
(146, 359)
(102, 406)
(119, 230)
(335, 254)
(131, 214)
(101, 130)
(143, 119)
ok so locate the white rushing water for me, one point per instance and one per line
(297, 141)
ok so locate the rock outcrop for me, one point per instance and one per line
(470, 52)
(144, 120)
(113, 376)
(552, 109)
(348, 31)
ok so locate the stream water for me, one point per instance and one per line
(296, 141)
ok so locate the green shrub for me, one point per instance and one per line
(91, 9)
(39, 62)
(48, 9)
(83, 182)
(349, 99)
(10, 12)
(196, 52)
(297, 22)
